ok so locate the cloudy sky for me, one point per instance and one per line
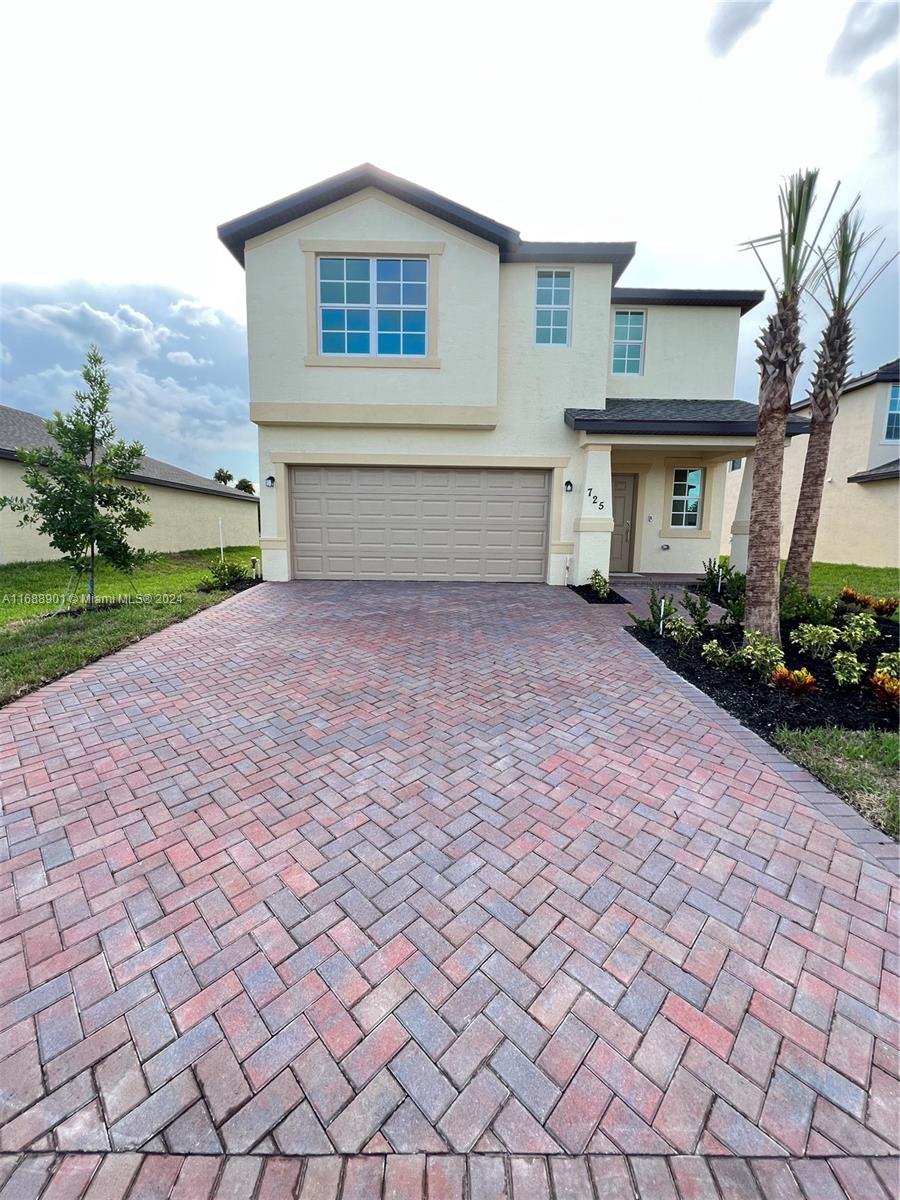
(131, 133)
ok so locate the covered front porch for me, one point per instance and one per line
(649, 488)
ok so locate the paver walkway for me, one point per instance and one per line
(386, 869)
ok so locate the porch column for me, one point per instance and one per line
(740, 526)
(594, 523)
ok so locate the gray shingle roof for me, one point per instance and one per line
(20, 430)
(699, 297)
(888, 470)
(700, 417)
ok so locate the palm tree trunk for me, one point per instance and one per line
(764, 543)
(809, 503)
(779, 359)
(829, 376)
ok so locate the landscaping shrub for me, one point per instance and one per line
(884, 606)
(681, 633)
(798, 681)
(847, 668)
(859, 628)
(715, 655)
(599, 583)
(797, 605)
(697, 608)
(662, 609)
(817, 640)
(889, 663)
(760, 654)
(886, 688)
(225, 574)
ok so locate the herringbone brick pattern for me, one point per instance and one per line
(370, 869)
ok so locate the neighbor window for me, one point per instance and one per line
(687, 497)
(373, 306)
(892, 428)
(735, 464)
(628, 342)
(554, 308)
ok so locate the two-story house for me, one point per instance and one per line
(860, 516)
(438, 399)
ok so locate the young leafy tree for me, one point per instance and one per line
(780, 354)
(244, 485)
(845, 285)
(223, 475)
(75, 495)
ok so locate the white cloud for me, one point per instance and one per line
(184, 358)
(195, 313)
(5, 355)
(123, 334)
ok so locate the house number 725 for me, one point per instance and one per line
(601, 504)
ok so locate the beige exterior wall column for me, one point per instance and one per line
(740, 526)
(594, 522)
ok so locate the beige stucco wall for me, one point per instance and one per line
(860, 522)
(277, 317)
(689, 353)
(182, 520)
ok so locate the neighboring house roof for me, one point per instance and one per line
(701, 297)
(888, 372)
(20, 430)
(234, 234)
(699, 417)
(888, 470)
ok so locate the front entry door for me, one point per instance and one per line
(620, 558)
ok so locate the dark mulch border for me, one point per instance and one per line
(764, 708)
(586, 592)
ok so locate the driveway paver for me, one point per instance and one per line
(446, 870)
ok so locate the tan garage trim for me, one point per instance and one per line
(421, 522)
(377, 416)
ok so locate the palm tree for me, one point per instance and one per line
(245, 485)
(780, 354)
(844, 287)
(223, 475)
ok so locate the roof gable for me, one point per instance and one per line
(236, 233)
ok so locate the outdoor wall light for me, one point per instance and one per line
(569, 485)
(270, 481)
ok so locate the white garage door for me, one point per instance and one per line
(419, 523)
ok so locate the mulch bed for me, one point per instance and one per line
(764, 708)
(586, 592)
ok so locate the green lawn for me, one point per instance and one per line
(827, 579)
(860, 766)
(35, 648)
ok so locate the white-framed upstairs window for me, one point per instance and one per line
(373, 307)
(687, 498)
(629, 329)
(892, 424)
(553, 308)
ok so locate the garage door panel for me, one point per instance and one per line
(419, 523)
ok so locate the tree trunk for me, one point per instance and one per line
(809, 503)
(764, 544)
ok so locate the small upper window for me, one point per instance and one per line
(687, 497)
(373, 306)
(628, 342)
(554, 308)
(735, 464)
(892, 426)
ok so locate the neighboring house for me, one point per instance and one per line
(186, 508)
(860, 519)
(438, 399)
